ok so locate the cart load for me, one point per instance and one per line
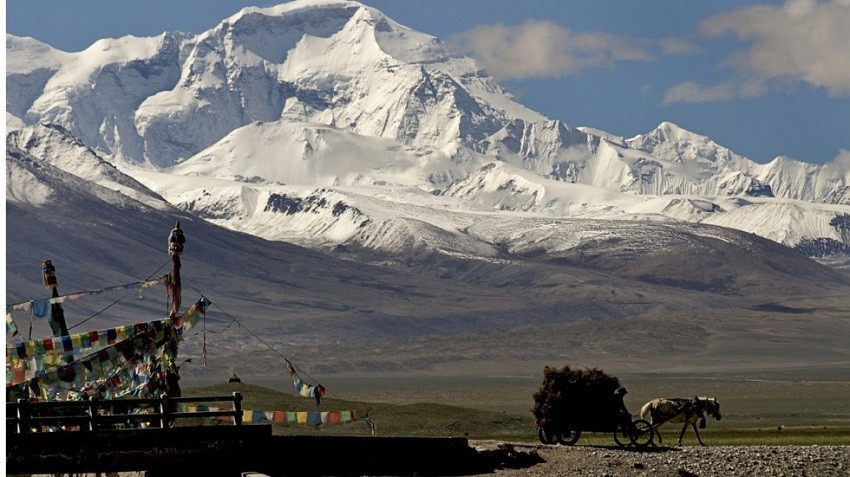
(570, 401)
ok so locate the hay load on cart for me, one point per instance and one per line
(571, 401)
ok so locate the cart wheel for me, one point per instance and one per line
(642, 433)
(623, 437)
(568, 438)
(545, 436)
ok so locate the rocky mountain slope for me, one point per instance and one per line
(576, 285)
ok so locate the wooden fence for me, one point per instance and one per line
(94, 414)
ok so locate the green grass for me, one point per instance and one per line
(803, 436)
(442, 420)
(770, 437)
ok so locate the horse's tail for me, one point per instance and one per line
(645, 411)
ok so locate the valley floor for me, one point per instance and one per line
(748, 400)
(757, 410)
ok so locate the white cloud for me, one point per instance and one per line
(677, 46)
(802, 40)
(540, 48)
(692, 92)
(841, 161)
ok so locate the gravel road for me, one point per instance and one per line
(810, 461)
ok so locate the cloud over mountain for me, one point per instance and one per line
(800, 41)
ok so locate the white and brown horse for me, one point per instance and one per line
(688, 411)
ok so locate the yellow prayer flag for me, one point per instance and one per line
(301, 417)
(121, 332)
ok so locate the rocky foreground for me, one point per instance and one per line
(813, 461)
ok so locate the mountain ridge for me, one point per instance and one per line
(550, 148)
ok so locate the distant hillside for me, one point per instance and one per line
(422, 419)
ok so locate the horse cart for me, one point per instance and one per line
(570, 402)
(626, 432)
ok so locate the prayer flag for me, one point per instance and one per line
(11, 327)
(18, 374)
(40, 307)
(314, 418)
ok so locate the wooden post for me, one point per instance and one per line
(175, 249)
(237, 408)
(92, 412)
(163, 412)
(23, 421)
(176, 239)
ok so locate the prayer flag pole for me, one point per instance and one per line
(57, 314)
(175, 249)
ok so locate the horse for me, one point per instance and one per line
(688, 411)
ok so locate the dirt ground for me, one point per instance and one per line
(553, 460)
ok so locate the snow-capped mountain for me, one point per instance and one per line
(57, 146)
(438, 301)
(165, 99)
(720, 171)
(334, 93)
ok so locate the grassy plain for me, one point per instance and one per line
(783, 410)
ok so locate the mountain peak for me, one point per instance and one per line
(673, 132)
(24, 55)
(292, 7)
(678, 145)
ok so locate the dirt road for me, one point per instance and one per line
(820, 461)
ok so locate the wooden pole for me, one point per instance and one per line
(57, 314)
(175, 249)
(176, 239)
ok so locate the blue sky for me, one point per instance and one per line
(763, 78)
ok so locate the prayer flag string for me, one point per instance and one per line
(40, 306)
(316, 392)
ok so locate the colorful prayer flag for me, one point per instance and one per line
(11, 327)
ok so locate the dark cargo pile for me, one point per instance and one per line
(575, 399)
